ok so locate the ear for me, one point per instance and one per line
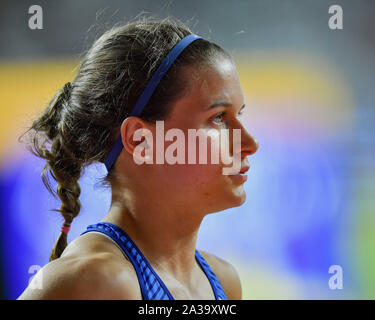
(135, 132)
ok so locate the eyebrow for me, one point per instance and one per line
(222, 103)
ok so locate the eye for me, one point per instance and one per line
(218, 119)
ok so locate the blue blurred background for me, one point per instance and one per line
(310, 95)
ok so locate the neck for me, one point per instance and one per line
(165, 234)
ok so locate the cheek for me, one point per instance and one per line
(207, 148)
(193, 176)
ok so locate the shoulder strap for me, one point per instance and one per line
(151, 285)
(215, 283)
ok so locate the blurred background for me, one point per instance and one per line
(310, 103)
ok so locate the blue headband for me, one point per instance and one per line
(149, 90)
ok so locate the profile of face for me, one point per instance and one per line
(214, 101)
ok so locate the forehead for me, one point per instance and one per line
(212, 82)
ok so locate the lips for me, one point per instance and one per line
(242, 171)
(245, 169)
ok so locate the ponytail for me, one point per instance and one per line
(66, 171)
(61, 163)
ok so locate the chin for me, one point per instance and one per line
(237, 196)
(239, 199)
(234, 199)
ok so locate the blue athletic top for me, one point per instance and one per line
(152, 286)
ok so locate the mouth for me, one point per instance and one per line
(242, 171)
(240, 176)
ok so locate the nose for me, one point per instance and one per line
(249, 144)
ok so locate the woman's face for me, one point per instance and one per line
(213, 102)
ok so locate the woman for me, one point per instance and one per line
(145, 246)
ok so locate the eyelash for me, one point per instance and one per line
(223, 113)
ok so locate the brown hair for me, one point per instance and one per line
(83, 120)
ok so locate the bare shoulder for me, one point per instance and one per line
(85, 274)
(226, 274)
